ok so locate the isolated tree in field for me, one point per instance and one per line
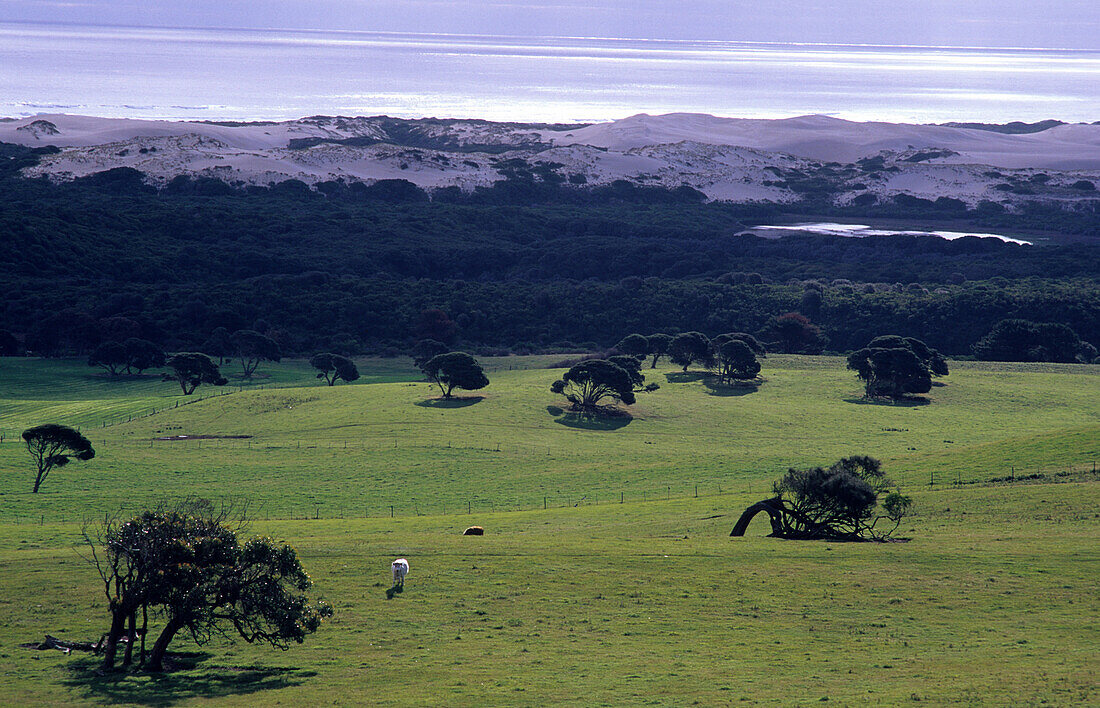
(52, 445)
(590, 382)
(932, 359)
(793, 333)
(109, 355)
(1023, 340)
(837, 502)
(142, 354)
(688, 348)
(425, 349)
(890, 372)
(735, 360)
(455, 370)
(251, 348)
(191, 370)
(187, 566)
(634, 345)
(334, 367)
(658, 347)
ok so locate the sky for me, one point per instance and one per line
(1069, 24)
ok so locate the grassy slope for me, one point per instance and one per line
(992, 602)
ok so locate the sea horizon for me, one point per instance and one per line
(254, 75)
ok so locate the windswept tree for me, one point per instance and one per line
(793, 333)
(188, 567)
(837, 502)
(735, 360)
(932, 359)
(111, 356)
(191, 370)
(590, 382)
(890, 372)
(251, 348)
(141, 354)
(658, 347)
(334, 367)
(455, 370)
(52, 445)
(690, 348)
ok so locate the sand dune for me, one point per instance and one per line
(730, 159)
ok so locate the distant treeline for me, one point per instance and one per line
(528, 264)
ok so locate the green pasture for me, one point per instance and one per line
(625, 589)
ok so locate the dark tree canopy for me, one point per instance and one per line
(187, 566)
(1023, 340)
(425, 349)
(334, 367)
(632, 365)
(191, 370)
(9, 345)
(658, 347)
(435, 324)
(753, 343)
(735, 360)
(219, 344)
(455, 370)
(251, 348)
(837, 502)
(52, 445)
(592, 381)
(634, 345)
(890, 372)
(932, 359)
(690, 348)
(793, 333)
(109, 355)
(141, 354)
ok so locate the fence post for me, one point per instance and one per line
(622, 496)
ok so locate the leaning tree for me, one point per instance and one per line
(894, 373)
(658, 347)
(52, 445)
(590, 382)
(334, 367)
(187, 567)
(688, 348)
(191, 370)
(455, 370)
(836, 502)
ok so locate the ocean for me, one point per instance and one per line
(208, 74)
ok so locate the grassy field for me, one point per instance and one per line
(589, 601)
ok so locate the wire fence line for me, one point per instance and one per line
(466, 508)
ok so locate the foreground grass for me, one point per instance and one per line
(992, 602)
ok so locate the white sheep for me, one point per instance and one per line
(400, 568)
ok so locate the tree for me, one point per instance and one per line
(795, 334)
(52, 445)
(219, 344)
(435, 324)
(109, 355)
(837, 502)
(592, 381)
(455, 370)
(753, 343)
(191, 370)
(425, 349)
(141, 354)
(890, 372)
(187, 566)
(334, 367)
(252, 347)
(634, 345)
(1023, 340)
(633, 366)
(688, 348)
(734, 360)
(932, 359)
(658, 346)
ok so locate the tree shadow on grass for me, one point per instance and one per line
(685, 376)
(938, 384)
(450, 402)
(607, 418)
(185, 680)
(737, 388)
(907, 402)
